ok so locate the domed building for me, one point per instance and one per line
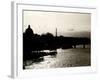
(29, 30)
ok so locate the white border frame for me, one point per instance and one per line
(17, 23)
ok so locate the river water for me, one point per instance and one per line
(64, 58)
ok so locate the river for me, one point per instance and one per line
(64, 58)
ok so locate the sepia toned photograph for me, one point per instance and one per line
(53, 39)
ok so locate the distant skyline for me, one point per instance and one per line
(67, 24)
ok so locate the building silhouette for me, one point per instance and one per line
(29, 31)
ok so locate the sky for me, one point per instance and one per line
(67, 24)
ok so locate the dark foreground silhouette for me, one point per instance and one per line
(34, 44)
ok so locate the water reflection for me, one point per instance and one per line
(62, 58)
(39, 56)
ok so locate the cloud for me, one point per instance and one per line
(71, 29)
